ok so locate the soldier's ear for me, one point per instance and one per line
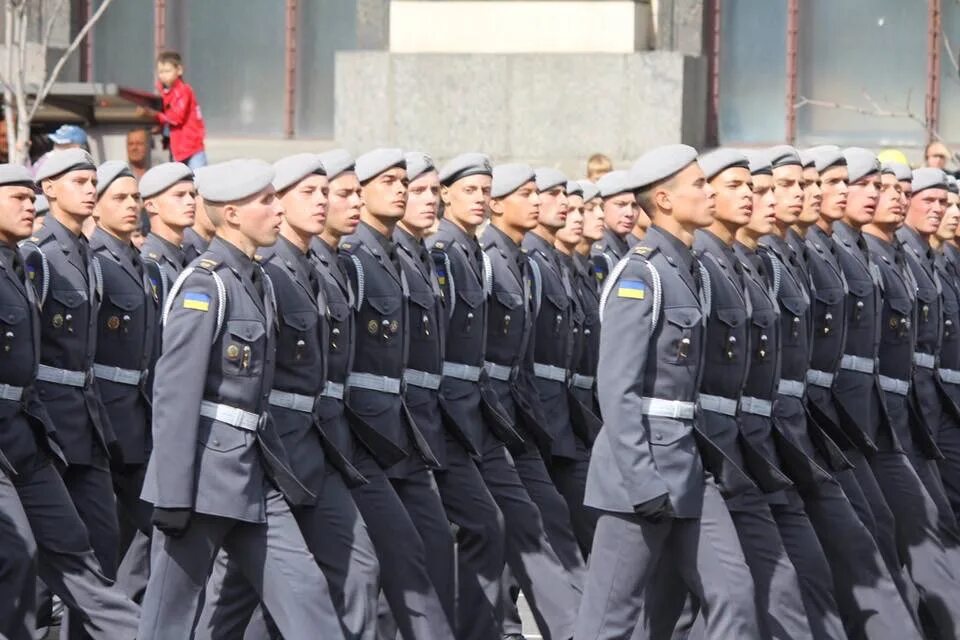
(496, 206)
(661, 197)
(47, 187)
(230, 214)
(445, 195)
(150, 206)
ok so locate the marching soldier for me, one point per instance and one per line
(34, 494)
(169, 197)
(468, 502)
(380, 353)
(645, 474)
(127, 329)
(620, 215)
(217, 463)
(948, 370)
(331, 524)
(859, 397)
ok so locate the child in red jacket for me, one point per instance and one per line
(181, 112)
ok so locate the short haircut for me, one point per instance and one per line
(599, 162)
(170, 57)
(645, 196)
(214, 212)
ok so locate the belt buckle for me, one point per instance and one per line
(88, 377)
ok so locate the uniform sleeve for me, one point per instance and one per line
(625, 341)
(178, 389)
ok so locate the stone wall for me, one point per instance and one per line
(553, 109)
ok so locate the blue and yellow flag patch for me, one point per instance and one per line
(635, 289)
(196, 300)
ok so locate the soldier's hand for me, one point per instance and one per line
(655, 510)
(173, 522)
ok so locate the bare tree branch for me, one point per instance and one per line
(875, 109)
(950, 52)
(48, 32)
(45, 89)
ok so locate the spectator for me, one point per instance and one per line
(68, 136)
(138, 152)
(936, 155)
(598, 165)
(181, 112)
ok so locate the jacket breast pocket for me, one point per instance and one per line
(763, 337)
(828, 310)
(14, 332)
(383, 321)
(898, 321)
(794, 310)
(506, 312)
(681, 344)
(339, 325)
(422, 319)
(221, 437)
(66, 310)
(727, 339)
(556, 312)
(298, 336)
(927, 311)
(120, 313)
(861, 305)
(468, 318)
(951, 316)
(244, 345)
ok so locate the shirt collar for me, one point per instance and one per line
(669, 244)
(233, 257)
(385, 243)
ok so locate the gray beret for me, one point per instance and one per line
(472, 163)
(163, 176)
(15, 174)
(42, 204)
(234, 180)
(759, 162)
(418, 163)
(616, 182)
(336, 161)
(292, 169)
(808, 159)
(110, 171)
(928, 178)
(661, 163)
(898, 169)
(720, 160)
(373, 163)
(952, 185)
(860, 163)
(826, 156)
(783, 155)
(507, 178)
(548, 178)
(590, 190)
(57, 163)
(574, 188)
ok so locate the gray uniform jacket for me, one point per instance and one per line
(651, 348)
(127, 324)
(607, 253)
(216, 465)
(193, 244)
(67, 278)
(169, 259)
(27, 435)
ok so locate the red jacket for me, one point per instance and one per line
(182, 113)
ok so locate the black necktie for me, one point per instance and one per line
(312, 275)
(257, 278)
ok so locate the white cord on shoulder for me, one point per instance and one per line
(45, 266)
(97, 276)
(451, 284)
(706, 291)
(536, 278)
(487, 275)
(361, 289)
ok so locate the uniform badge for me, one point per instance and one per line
(394, 326)
(635, 289)
(233, 352)
(113, 323)
(57, 321)
(372, 327)
(196, 300)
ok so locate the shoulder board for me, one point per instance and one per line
(153, 255)
(346, 246)
(208, 264)
(643, 251)
(439, 244)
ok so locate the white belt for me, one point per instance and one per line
(718, 404)
(756, 406)
(549, 372)
(857, 363)
(924, 360)
(333, 390)
(581, 381)
(230, 415)
(373, 382)
(10, 392)
(820, 378)
(130, 377)
(422, 379)
(950, 376)
(667, 408)
(460, 371)
(62, 376)
(894, 385)
(292, 401)
(792, 388)
(498, 371)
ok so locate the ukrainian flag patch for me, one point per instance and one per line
(442, 277)
(635, 289)
(196, 300)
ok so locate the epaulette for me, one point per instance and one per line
(208, 264)
(641, 250)
(346, 246)
(153, 255)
